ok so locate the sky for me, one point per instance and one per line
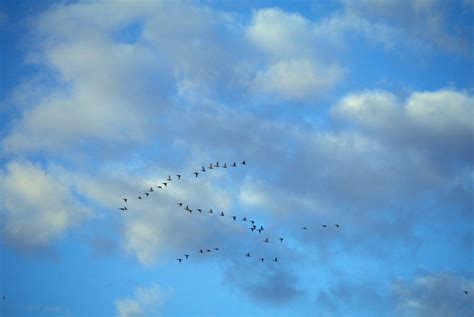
(355, 113)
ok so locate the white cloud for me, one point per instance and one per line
(144, 302)
(434, 295)
(36, 207)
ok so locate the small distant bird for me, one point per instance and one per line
(186, 255)
(196, 173)
(179, 176)
(222, 214)
(147, 194)
(210, 211)
(201, 251)
(169, 178)
(123, 209)
(266, 240)
(248, 254)
(304, 228)
(234, 217)
(217, 249)
(243, 162)
(125, 200)
(139, 197)
(225, 165)
(180, 204)
(179, 260)
(252, 228)
(262, 259)
(252, 221)
(166, 184)
(190, 211)
(275, 259)
(217, 164)
(151, 189)
(281, 239)
(324, 226)
(259, 230)
(466, 292)
(200, 210)
(203, 169)
(234, 164)
(244, 219)
(336, 225)
(208, 250)
(159, 187)
(210, 166)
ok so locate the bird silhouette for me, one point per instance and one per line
(244, 219)
(324, 226)
(336, 225)
(217, 164)
(210, 166)
(243, 162)
(234, 217)
(217, 249)
(466, 292)
(151, 189)
(200, 210)
(123, 209)
(225, 165)
(304, 228)
(259, 230)
(248, 254)
(222, 214)
(252, 228)
(200, 251)
(196, 174)
(147, 194)
(179, 260)
(166, 184)
(275, 259)
(208, 250)
(179, 176)
(203, 169)
(169, 178)
(139, 197)
(210, 211)
(159, 187)
(234, 164)
(186, 255)
(180, 204)
(262, 259)
(125, 200)
(266, 240)
(252, 221)
(281, 239)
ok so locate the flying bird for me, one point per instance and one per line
(200, 210)
(262, 259)
(243, 162)
(125, 200)
(201, 251)
(336, 225)
(166, 184)
(217, 164)
(275, 259)
(180, 204)
(304, 228)
(210, 166)
(252, 228)
(203, 169)
(179, 176)
(151, 189)
(266, 240)
(244, 219)
(169, 178)
(248, 254)
(147, 194)
(179, 260)
(234, 164)
(217, 249)
(234, 217)
(259, 230)
(210, 211)
(159, 187)
(324, 226)
(222, 214)
(139, 197)
(123, 209)
(196, 173)
(208, 250)
(186, 255)
(281, 239)
(466, 292)
(252, 221)
(225, 165)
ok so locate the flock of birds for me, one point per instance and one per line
(253, 226)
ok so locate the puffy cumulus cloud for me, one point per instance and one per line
(435, 122)
(296, 79)
(431, 22)
(440, 294)
(295, 71)
(36, 207)
(145, 301)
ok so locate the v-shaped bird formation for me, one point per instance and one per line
(244, 220)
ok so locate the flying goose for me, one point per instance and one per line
(196, 173)
(304, 228)
(151, 189)
(139, 197)
(125, 200)
(225, 165)
(201, 251)
(275, 259)
(244, 219)
(248, 254)
(166, 184)
(262, 259)
(324, 226)
(222, 214)
(147, 194)
(281, 239)
(179, 176)
(203, 169)
(234, 217)
(200, 210)
(266, 240)
(180, 204)
(336, 225)
(210, 211)
(179, 260)
(210, 166)
(234, 164)
(243, 162)
(217, 164)
(186, 255)
(217, 249)
(169, 178)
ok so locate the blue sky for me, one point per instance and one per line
(357, 113)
